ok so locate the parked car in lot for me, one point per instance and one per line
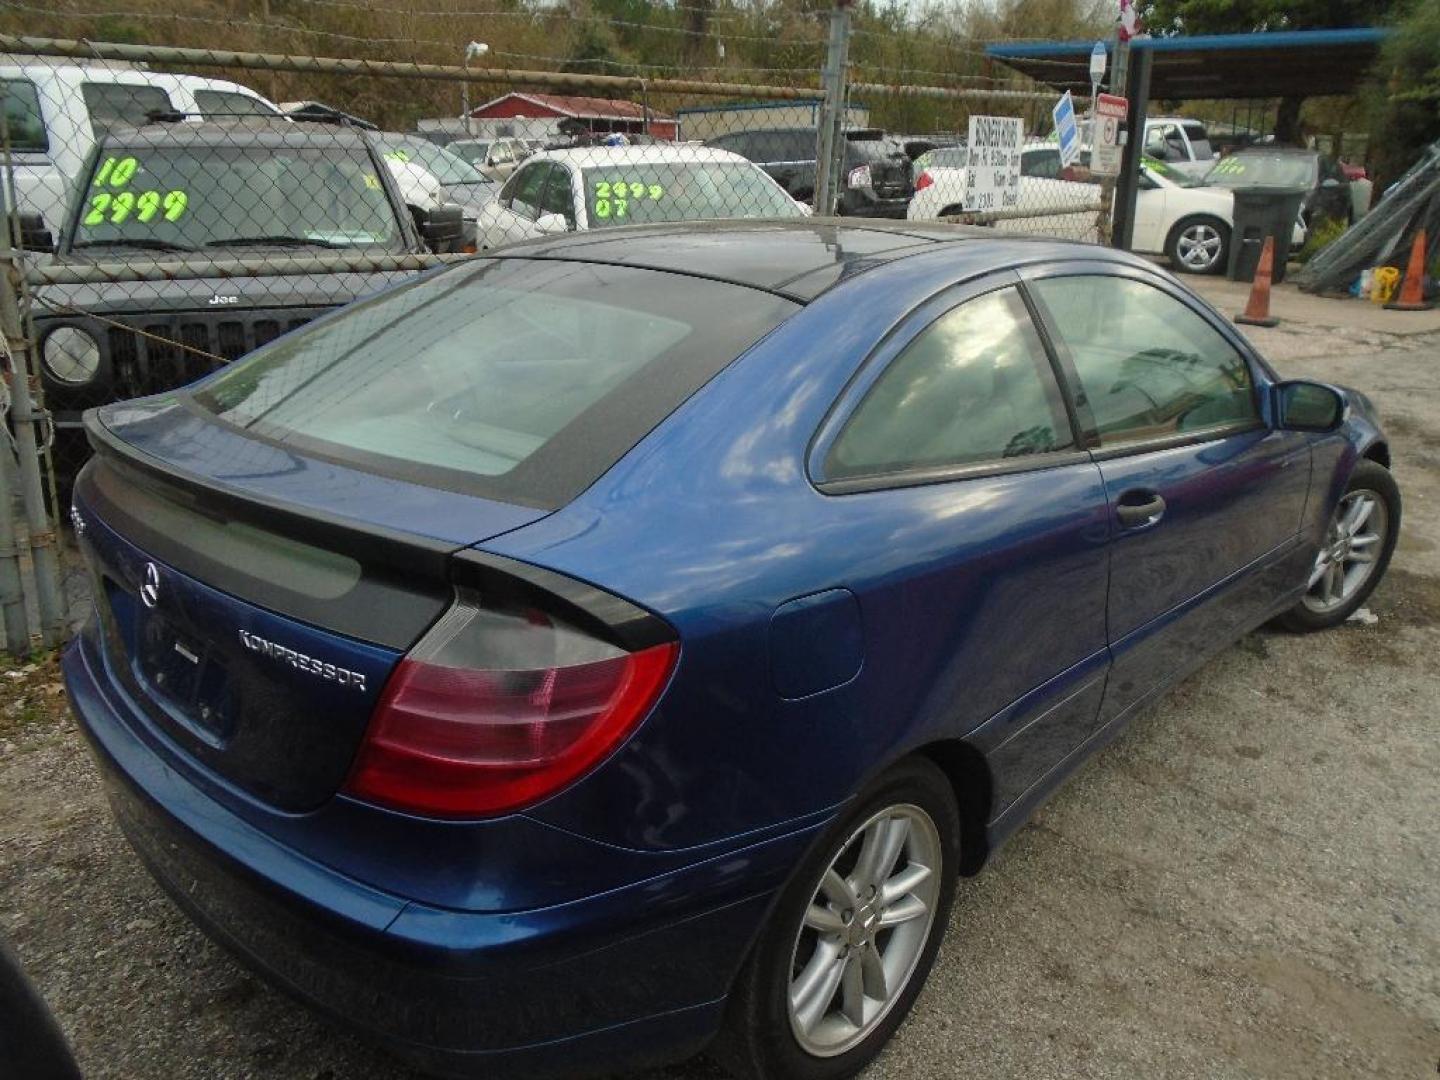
(568, 657)
(1325, 182)
(599, 187)
(875, 177)
(1181, 143)
(494, 159)
(459, 183)
(56, 112)
(1175, 215)
(1064, 207)
(237, 189)
(430, 176)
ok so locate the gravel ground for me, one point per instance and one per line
(1246, 884)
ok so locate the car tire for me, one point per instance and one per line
(1192, 236)
(812, 939)
(1359, 540)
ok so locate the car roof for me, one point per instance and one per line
(648, 154)
(799, 260)
(1270, 148)
(263, 132)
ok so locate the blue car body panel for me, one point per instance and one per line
(824, 634)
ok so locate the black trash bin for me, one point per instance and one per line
(1262, 212)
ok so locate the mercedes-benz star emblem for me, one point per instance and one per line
(150, 589)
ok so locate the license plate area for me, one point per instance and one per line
(185, 677)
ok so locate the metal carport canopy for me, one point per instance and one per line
(1268, 64)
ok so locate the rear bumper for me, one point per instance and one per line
(855, 205)
(577, 988)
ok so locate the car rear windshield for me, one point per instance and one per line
(446, 166)
(1264, 168)
(470, 151)
(946, 157)
(876, 149)
(634, 194)
(1199, 141)
(194, 197)
(515, 379)
(1174, 175)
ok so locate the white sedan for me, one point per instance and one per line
(1175, 215)
(598, 187)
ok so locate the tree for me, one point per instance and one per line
(1405, 103)
(1166, 17)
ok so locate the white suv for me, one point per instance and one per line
(55, 111)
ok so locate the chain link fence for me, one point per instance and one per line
(169, 217)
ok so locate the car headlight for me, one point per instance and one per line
(71, 355)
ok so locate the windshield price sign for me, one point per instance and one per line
(1109, 115)
(992, 180)
(1066, 129)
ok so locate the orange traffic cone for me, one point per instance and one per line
(1257, 311)
(1412, 292)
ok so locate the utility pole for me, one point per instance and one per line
(45, 563)
(12, 591)
(1137, 88)
(1120, 50)
(272, 76)
(472, 50)
(42, 537)
(832, 112)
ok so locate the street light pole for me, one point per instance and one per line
(474, 49)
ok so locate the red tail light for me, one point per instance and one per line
(495, 710)
(925, 181)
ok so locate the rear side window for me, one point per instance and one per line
(1199, 141)
(515, 379)
(1040, 163)
(559, 196)
(778, 146)
(974, 386)
(113, 105)
(1149, 366)
(219, 104)
(527, 188)
(22, 116)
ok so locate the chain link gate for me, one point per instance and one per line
(173, 218)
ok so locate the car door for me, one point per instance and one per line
(1148, 230)
(558, 196)
(510, 216)
(1206, 499)
(952, 461)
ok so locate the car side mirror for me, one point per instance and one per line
(552, 223)
(1301, 405)
(34, 235)
(443, 228)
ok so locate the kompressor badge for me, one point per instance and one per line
(309, 665)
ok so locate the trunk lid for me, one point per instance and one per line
(252, 602)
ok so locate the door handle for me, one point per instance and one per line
(1138, 508)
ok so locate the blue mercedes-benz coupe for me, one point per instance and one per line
(577, 656)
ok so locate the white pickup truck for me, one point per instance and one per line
(1181, 143)
(54, 112)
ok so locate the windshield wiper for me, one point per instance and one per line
(272, 241)
(147, 243)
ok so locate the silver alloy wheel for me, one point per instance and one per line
(1198, 246)
(864, 930)
(1350, 553)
